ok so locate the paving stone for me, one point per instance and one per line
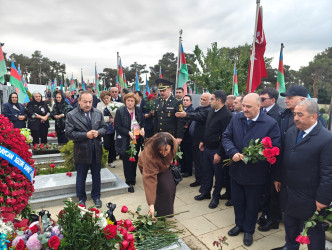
(193, 243)
(222, 218)
(199, 225)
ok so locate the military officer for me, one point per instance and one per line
(165, 108)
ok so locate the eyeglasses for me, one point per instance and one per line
(264, 98)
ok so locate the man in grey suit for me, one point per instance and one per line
(85, 126)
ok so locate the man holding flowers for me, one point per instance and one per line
(248, 179)
(306, 171)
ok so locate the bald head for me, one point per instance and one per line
(205, 99)
(114, 92)
(251, 105)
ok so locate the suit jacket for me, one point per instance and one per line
(165, 120)
(199, 117)
(12, 112)
(275, 112)
(76, 130)
(306, 172)
(238, 135)
(119, 99)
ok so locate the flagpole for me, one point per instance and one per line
(252, 59)
(179, 58)
(117, 69)
(233, 78)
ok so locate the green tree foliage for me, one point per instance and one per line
(318, 75)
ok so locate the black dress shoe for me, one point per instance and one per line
(185, 175)
(224, 197)
(214, 203)
(131, 189)
(229, 203)
(202, 197)
(82, 203)
(195, 184)
(270, 224)
(234, 231)
(247, 239)
(98, 203)
(262, 220)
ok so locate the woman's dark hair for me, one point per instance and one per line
(162, 139)
(63, 95)
(10, 97)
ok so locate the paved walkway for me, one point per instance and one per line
(201, 224)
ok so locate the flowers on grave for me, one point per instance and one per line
(52, 134)
(47, 146)
(69, 174)
(15, 186)
(27, 133)
(258, 151)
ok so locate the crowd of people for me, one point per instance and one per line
(290, 190)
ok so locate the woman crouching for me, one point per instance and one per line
(155, 161)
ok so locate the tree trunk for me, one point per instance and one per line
(314, 86)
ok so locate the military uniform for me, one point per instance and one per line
(165, 120)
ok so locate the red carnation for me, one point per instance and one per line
(128, 223)
(52, 165)
(271, 160)
(132, 159)
(41, 146)
(131, 229)
(4, 163)
(129, 237)
(276, 150)
(124, 244)
(303, 239)
(267, 143)
(54, 242)
(20, 245)
(69, 174)
(34, 229)
(94, 210)
(146, 93)
(268, 153)
(124, 209)
(110, 231)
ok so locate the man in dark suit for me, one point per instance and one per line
(85, 126)
(216, 123)
(248, 180)
(186, 144)
(165, 108)
(306, 169)
(115, 95)
(270, 205)
(196, 130)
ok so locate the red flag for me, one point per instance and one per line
(259, 70)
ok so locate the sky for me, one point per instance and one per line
(80, 33)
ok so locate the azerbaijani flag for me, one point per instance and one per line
(3, 68)
(97, 80)
(54, 85)
(104, 85)
(120, 76)
(236, 87)
(183, 76)
(136, 83)
(15, 80)
(61, 85)
(281, 76)
(72, 86)
(160, 73)
(147, 84)
(125, 78)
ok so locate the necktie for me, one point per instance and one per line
(87, 116)
(300, 136)
(162, 102)
(264, 110)
(249, 122)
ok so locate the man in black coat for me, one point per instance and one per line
(248, 180)
(115, 95)
(85, 126)
(95, 98)
(306, 170)
(196, 130)
(270, 206)
(165, 108)
(216, 123)
(186, 145)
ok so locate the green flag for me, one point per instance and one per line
(280, 76)
(3, 68)
(15, 80)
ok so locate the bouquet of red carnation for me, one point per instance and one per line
(132, 150)
(258, 151)
(149, 102)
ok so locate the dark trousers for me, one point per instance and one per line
(109, 145)
(270, 203)
(41, 133)
(226, 181)
(187, 157)
(61, 137)
(246, 205)
(148, 132)
(293, 228)
(130, 167)
(198, 161)
(82, 172)
(209, 171)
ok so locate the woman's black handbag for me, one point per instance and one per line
(176, 173)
